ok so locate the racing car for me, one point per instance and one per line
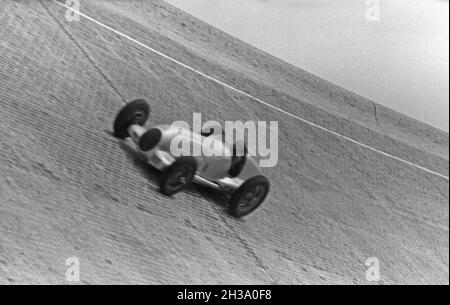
(238, 175)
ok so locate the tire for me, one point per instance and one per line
(150, 139)
(249, 196)
(178, 175)
(135, 112)
(237, 162)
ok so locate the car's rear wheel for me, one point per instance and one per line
(249, 196)
(178, 175)
(135, 112)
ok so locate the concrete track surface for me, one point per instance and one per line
(68, 188)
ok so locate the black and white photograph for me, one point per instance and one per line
(224, 151)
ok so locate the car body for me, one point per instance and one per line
(212, 170)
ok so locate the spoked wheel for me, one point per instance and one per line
(135, 112)
(178, 175)
(249, 196)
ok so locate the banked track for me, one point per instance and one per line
(70, 189)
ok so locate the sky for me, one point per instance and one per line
(400, 58)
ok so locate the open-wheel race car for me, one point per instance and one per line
(238, 175)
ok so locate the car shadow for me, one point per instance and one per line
(139, 162)
(217, 197)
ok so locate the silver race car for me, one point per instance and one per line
(236, 174)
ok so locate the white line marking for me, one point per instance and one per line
(252, 97)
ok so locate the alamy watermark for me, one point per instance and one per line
(373, 11)
(71, 14)
(373, 269)
(251, 138)
(73, 269)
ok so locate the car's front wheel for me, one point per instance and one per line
(135, 112)
(249, 196)
(178, 175)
